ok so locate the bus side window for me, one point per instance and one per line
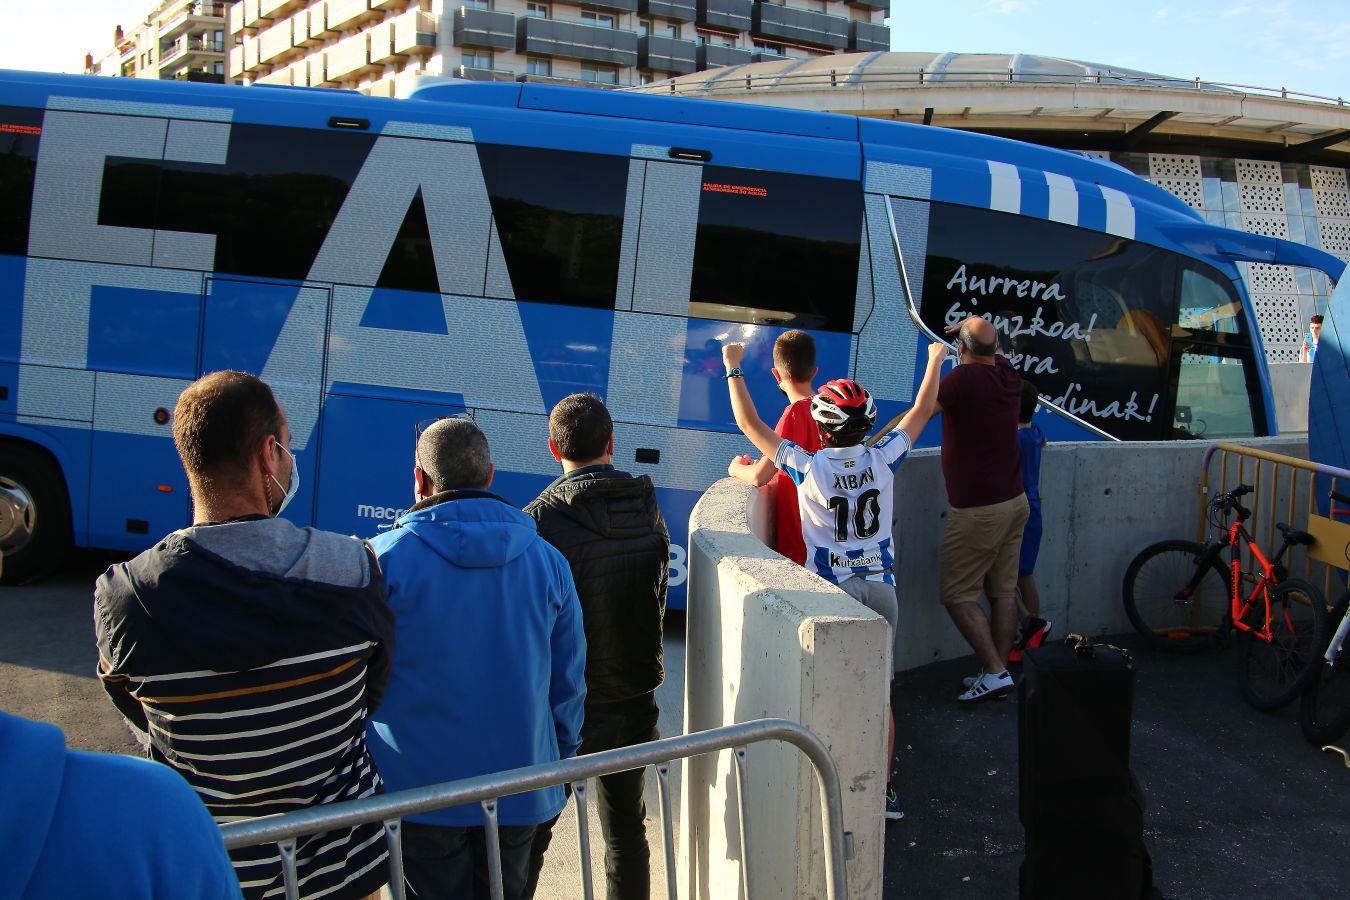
(1206, 304)
(776, 248)
(270, 204)
(20, 129)
(559, 215)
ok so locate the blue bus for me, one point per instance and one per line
(491, 248)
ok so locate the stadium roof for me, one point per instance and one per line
(1043, 99)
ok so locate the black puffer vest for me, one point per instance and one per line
(608, 525)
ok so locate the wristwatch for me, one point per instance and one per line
(736, 373)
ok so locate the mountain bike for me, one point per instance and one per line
(1179, 596)
(1324, 710)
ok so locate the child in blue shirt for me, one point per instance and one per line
(1033, 630)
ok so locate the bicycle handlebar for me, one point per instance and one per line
(1228, 501)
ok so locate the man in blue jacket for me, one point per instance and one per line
(489, 665)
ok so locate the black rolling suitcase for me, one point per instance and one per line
(1080, 806)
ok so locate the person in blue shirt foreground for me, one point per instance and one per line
(76, 824)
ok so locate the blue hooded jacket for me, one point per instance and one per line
(489, 654)
(76, 824)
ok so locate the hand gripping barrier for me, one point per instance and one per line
(487, 789)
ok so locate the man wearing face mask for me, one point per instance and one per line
(245, 652)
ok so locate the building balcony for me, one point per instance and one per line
(234, 65)
(349, 13)
(252, 15)
(710, 56)
(415, 32)
(194, 17)
(316, 25)
(382, 43)
(382, 88)
(769, 56)
(884, 5)
(799, 26)
(868, 36)
(349, 58)
(273, 9)
(251, 61)
(471, 74)
(318, 70)
(387, 4)
(667, 54)
(200, 75)
(183, 48)
(619, 5)
(675, 10)
(573, 40)
(484, 28)
(276, 41)
(728, 15)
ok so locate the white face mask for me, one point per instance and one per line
(289, 493)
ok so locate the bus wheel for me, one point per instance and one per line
(34, 513)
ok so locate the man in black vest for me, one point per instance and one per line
(609, 527)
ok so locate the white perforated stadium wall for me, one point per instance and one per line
(1310, 204)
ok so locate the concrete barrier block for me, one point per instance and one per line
(766, 638)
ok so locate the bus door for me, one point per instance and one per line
(275, 331)
(142, 354)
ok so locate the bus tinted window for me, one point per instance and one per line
(19, 134)
(1089, 317)
(774, 248)
(1208, 302)
(560, 219)
(270, 205)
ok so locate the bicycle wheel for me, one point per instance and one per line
(1324, 712)
(1272, 674)
(1172, 604)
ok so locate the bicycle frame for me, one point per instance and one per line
(1270, 576)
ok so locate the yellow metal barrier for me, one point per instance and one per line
(1284, 490)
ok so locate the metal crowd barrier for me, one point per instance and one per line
(1284, 489)
(486, 790)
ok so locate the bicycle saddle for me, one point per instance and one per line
(1295, 536)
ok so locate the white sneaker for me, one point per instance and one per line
(988, 687)
(969, 681)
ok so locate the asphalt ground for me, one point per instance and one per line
(1238, 804)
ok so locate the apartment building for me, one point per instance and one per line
(381, 46)
(181, 39)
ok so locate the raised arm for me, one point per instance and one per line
(925, 402)
(913, 420)
(765, 439)
(757, 473)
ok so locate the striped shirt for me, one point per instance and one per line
(281, 730)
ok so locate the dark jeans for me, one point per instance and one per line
(618, 799)
(445, 863)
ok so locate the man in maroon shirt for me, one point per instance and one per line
(979, 401)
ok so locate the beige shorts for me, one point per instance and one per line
(979, 551)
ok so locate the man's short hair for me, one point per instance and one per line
(1316, 320)
(219, 421)
(453, 453)
(580, 427)
(974, 346)
(794, 355)
(1030, 397)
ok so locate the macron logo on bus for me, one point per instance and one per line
(383, 513)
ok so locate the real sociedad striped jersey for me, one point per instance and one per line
(247, 655)
(844, 494)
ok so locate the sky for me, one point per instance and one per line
(1303, 45)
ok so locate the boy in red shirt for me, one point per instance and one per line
(794, 368)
